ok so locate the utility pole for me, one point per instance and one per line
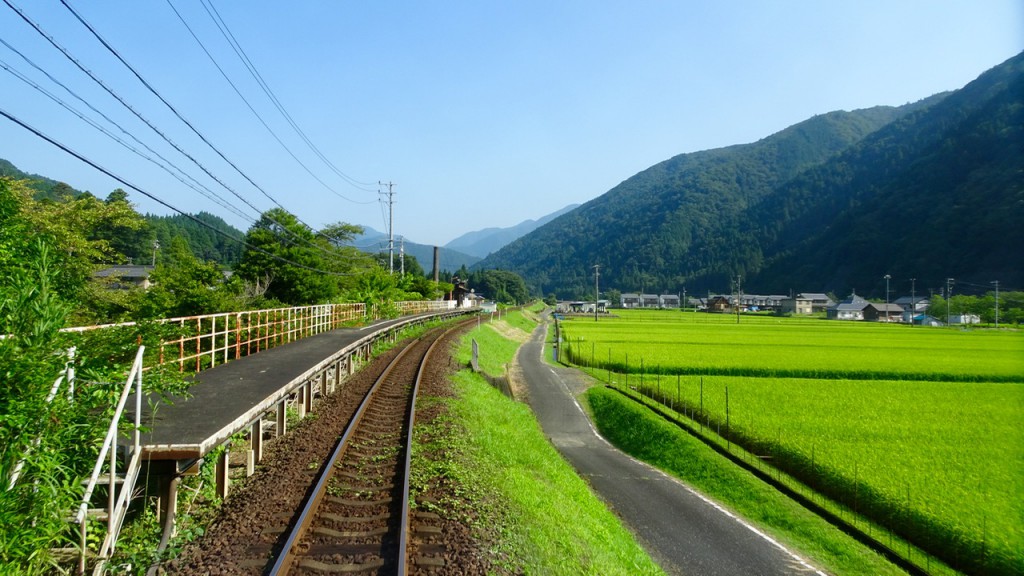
(683, 303)
(887, 277)
(156, 246)
(391, 224)
(401, 257)
(597, 294)
(949, 294)
(996, 282)
(913, 301)
(739, 298)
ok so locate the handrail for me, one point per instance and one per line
(134, 377)
(116, 506)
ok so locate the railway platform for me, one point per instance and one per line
(250, 395)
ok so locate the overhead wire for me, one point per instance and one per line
(230, 37)
(148, 123)
(176, 113)
(251, 108)
(180, 175)
(158, 200)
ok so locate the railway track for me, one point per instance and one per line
(357, 516)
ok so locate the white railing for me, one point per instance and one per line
(210, 339)
(117, 501)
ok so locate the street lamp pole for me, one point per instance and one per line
(949, 294)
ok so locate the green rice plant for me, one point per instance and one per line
(937, 462)
(935, 458)
(687, 343)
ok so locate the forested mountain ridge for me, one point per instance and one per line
(672, 223)
(928, 191)
(209, 241)
(936, 194)
(45, 188)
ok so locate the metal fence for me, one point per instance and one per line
(210, 339)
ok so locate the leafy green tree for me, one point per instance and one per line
(288, 262)
(501, 286)
(74, 227)
(185, 286)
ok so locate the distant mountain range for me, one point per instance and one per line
(930, 191)
(466, 250)
(483, 242)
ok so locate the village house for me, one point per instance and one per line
(124, 277)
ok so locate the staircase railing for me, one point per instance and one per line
(117, 500)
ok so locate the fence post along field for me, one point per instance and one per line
(905, 435)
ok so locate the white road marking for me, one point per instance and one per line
(707, 500)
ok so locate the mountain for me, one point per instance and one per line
(483, 242)
(374, 242)
(928, 190)
(937, 194)
(45, 188)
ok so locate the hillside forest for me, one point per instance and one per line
(925, 191)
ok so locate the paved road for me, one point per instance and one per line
(684, 532)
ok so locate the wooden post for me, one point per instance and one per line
(256, 440)
(282, 420)
(223, 474)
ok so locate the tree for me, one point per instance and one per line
(297, 266)
(74, 227)
(185, 286)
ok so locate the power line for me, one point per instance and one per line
(181, 175)
(167, 139)
(226, 31)
(253, 110)
(153, 197)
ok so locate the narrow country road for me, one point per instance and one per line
(684, 532)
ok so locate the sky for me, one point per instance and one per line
(479, 114)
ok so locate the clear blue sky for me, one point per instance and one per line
(482, 113)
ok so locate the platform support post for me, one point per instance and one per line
(323, 383)
(223, 473)
(282, 420)
(307, 397)
(256, 440)
(350, 365)
(300, 401)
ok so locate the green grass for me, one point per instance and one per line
(938, 461)
(537, 494)
(692, 343)
(649, 437)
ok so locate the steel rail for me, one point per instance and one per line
(286, 558)
(403, 540)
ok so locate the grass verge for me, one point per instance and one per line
(550, 521)
(648, 437)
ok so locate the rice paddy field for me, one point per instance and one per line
(917, 429)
